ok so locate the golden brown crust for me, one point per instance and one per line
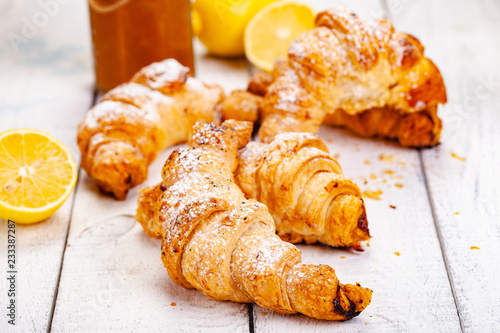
(352, 67)
(241, 105)
(287, 106)
(167, 76)
(146, 202)
(224, 245)
(259, 82)
(420, 129)
(122, 134)
(303, 187)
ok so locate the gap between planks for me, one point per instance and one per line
(56, 292)
(440, 238)
(251, 326)
(387, 14)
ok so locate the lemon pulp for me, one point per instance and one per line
(269, 34)
(37, 174)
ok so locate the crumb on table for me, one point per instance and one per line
(372, 194)
(457, 157)
(387, 158)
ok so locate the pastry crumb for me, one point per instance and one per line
(387, 158)
(474, 248)
(389, 172)
(457, 157)
(367, 162)
(397, 253)
(456, 213)
(173, 304)
(372, 194)
(373, 176)
(392, 206)
(336, 156)
(399, 185)
(342, 257)
(367, 244)
(329, 140)
(262, 313)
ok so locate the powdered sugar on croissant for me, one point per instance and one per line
(224, 245)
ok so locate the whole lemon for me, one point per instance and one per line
(220, 24)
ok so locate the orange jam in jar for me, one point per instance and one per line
(130, 34)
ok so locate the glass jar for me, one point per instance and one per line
(130, 34)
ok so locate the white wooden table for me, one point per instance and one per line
(91, 268)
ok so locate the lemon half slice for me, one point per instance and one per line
(37, 174)
(271, 31)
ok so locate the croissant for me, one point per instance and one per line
(121, 135)
(303, 187)
(364, 75)
(224, 245)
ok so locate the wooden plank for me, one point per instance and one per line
(46, 83)
(462, 38)
(113, 278)
(411, 291)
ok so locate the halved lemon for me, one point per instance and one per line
(271, 31)
(37, 174)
